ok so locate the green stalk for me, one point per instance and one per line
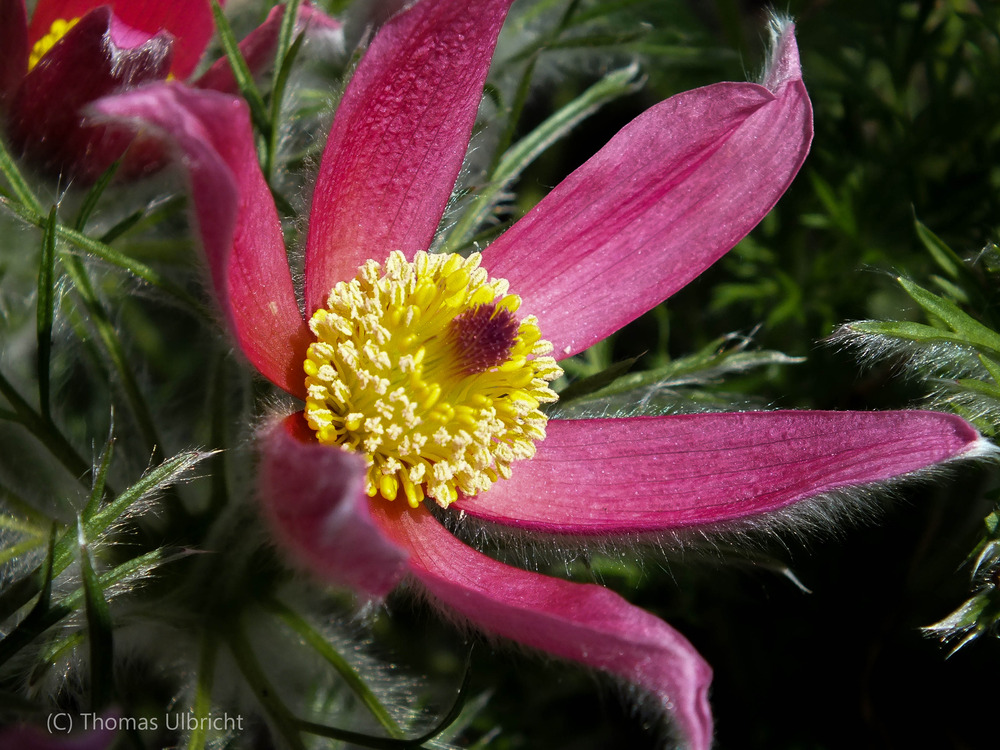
(46, 314)
(284, 721)
(108, 335)
(318, 643)
(202, 706)
(109, 255)
(17, 182)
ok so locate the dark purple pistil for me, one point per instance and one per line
(482, 337)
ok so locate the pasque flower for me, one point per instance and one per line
(424, 376)
(76, 51)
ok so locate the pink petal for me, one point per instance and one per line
(670, 194)
(314, 500)
(44, 116)
(582, 622)
(14, 43)
(398, 138)
(645, 474)
(237, 220)
(188, 21)
(261, 44)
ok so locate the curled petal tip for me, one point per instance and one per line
(783, 63)
(313, 498)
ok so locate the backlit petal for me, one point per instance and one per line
(313, 498)
(399, 138)
(237, 220)
(582, 622)
(188, 21)
(95, 58)
(670, 194)
(645, 474)
(14, 43)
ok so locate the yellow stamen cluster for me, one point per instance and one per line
(423, 368)
(57, 31)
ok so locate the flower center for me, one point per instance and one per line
(56, 32)
(425, 369)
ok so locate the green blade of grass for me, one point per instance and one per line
(18, 184)
(322, 647)
(99, 629)
(241, 71)
(94, 195)
(101, 475)
(201, 707)
(108, 335)
(109, 255)
(46, 314)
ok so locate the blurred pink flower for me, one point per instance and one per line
(76, 51)
(663, 200)
(25, 737)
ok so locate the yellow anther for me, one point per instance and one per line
(56, 32)
(511, 302)
(388, 485)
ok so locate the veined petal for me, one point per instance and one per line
(670, 194)
(313, 497)
(14, 43)
(583, 622)
(646, 474)
(188, 21)
(259, 46)
(399, 138)
(237, 220)
(95, 58)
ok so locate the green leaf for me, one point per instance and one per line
(123, 226)
(30, 628)
(321, 730)
(109, 338)
(277, 96)
(285, 55)
(34, 621)
(15, 595)
(99, 630)
(943, 255)
(17, 182)
(713, 362)
(94, 195)
(524, 85)
(978, 386)
(154, 480)
(967, 328)
(201, 707)
(21, 526)
(241, 71)
(597, 381)
(44, 430)
(100, 476)
(322, 647)
(281, 716)
(954, 291)
(46, 314)
(917, 332)
(14, 551)
(109, 255)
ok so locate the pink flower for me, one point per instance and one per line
(26, 737)
(76, 51)
(424, 374)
